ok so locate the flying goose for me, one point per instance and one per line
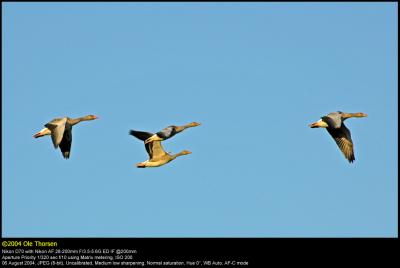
(334, 124)
(169, 132)
(157, 155)
(60, 130)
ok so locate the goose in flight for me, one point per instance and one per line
(169, 132)
(334, 124)
(157, 155)
(60, 130)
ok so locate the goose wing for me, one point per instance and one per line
(57, 127)
(333, 120)
(156, 150)
(342, 138)
(65, 145)
(167, 132)
(141, 135)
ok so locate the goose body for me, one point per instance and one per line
(60, 130)
(157, 155)
(169, 132)
(334, 124)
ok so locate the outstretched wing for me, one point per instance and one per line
(57, 127)
(156, 149)
(342, 138)
(141, 135)
(65, 145)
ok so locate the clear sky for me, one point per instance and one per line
(254, 74)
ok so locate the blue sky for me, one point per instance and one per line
(254, 74)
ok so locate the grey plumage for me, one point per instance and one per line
(334, 124)
(60, 130)
(167, 132)
(341, 134)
